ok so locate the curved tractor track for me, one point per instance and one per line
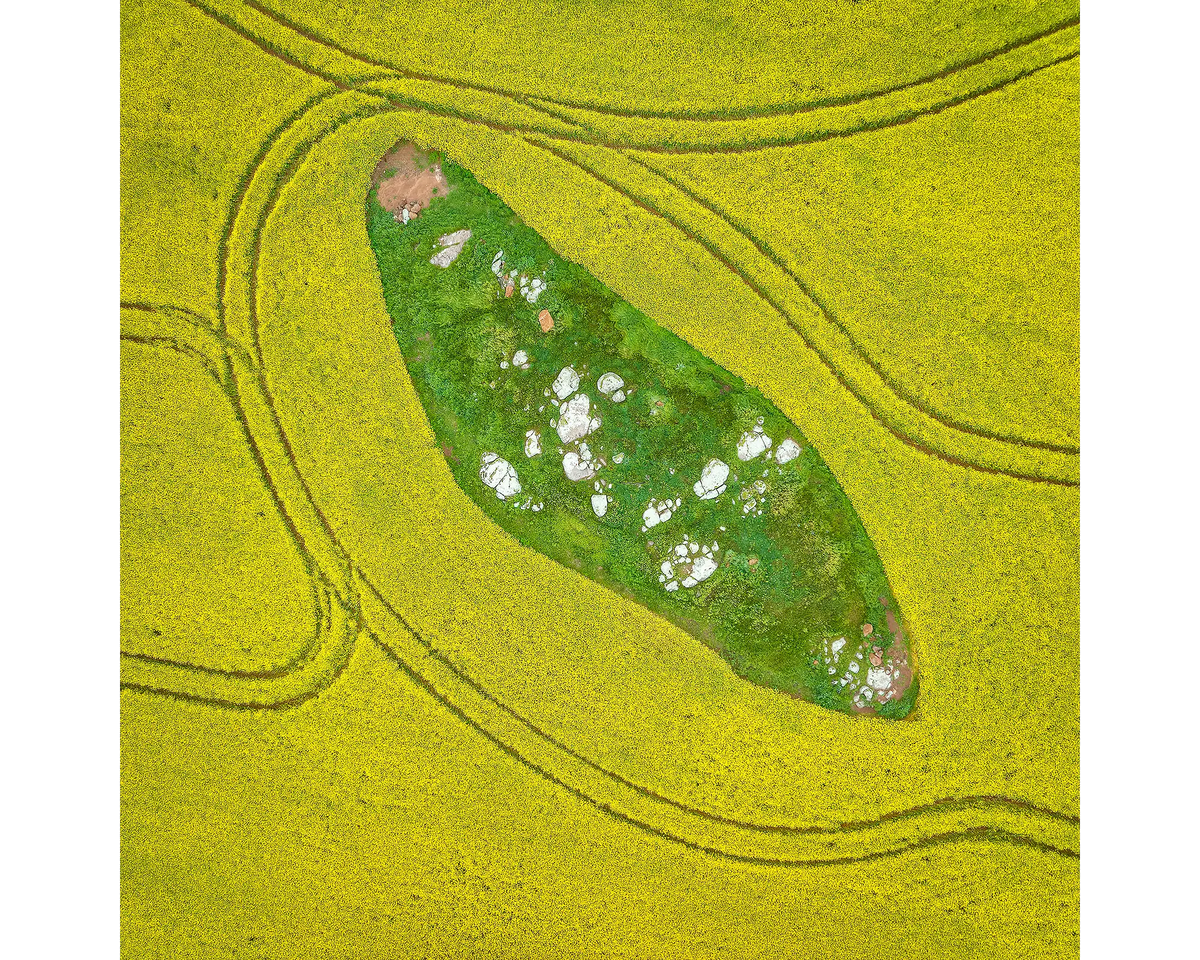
(229, 346)
(898, 409)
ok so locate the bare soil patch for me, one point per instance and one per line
(408, 177)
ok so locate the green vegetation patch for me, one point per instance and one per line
(602, 440)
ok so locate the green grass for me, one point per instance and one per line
(795, 573)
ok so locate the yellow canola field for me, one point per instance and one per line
(490, 756)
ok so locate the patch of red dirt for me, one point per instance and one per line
(408, 177)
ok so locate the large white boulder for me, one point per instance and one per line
(579, 466)
(787, 451)
(754, 443)
(500, 475)
(712, 480)
(610, 383)
(688, 564)
(452, 246)
(879, 678)
(658, 511)
(575, 420)
(566, 383)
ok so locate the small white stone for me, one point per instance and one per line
(672, 586)
(618, 458)
(520, 358)
(618, 397)
(599, 504)
(503, 364)
(854, 666)
(836, 646)
(533, 443)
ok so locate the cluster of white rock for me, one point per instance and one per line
(690, 563)
(601, 499)
(531, 287)
(451, 245)
(575, 420)
(579, 465)
(611, 385)
(520, 361)
(659, 511)
(500, 475)
(752, 498)
(753, 443)
(879, 676)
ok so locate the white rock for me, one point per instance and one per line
(599, 504)
(533, 443)
(609, 383)
(566, 383)
(500, 475)
(577, 467)
(836, 646)
(575, 421)
(787, 451)
(879, 678)
(453, 246)
(854, 666)
(712, 480)
(404, 215)
(672, 586)
(618, 458)
(503, 364)
(618, 397)
(520, 358)
(703, 567)
(657, 512)
(753, 444)
(498, 263)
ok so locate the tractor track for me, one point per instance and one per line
(979, 833)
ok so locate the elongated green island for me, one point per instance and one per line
(606, 442)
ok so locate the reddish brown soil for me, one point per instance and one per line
(407, 177)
